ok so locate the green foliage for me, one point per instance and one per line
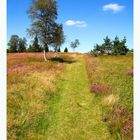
(35, 46)
(74, 44)
(58, 37)
(58, 50)
(44, 15)
(99, 49)
(17, 44)
(22, 45)
(66, 49)
(93, 53)
(119, 47)
(13, 43)
(107, 45)
(111, 47)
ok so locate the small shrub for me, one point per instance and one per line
(100, 88)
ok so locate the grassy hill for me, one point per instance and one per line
(74, 96)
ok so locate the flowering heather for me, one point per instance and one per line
(19, 68)
(130, 72)
(20, 57)
(100, 88)
(118, 108)
(24, 63)
(128, 128)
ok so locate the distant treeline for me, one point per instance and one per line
(111, 47)
(17, 44)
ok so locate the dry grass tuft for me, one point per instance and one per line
(110, 100)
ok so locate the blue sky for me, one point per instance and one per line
(87, 20)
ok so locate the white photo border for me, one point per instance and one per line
(3, 61)
(136, 92)
(3, 83)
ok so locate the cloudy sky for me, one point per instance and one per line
(87, 20)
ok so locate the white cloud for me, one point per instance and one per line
(76, 23)
(113, 7)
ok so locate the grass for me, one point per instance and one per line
(52, 100)
(115, 71)
(31, 84)
(74, 112)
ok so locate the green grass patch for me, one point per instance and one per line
(118, 103)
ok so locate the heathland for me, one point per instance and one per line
(72, 96)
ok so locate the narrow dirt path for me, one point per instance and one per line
(75, 112)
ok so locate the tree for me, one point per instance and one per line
(116, 45)
(123, 48)
(35, 46)
(43, 14)
(58, 37)
(13, 43)
(107, 45)
(93, 53)
(22, 44)
(66, 49)
(74, 44)
(111, 47)
(58, 50)
(119, 47)
(99, 49)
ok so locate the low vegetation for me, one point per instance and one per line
(31, 85)
(67, 94)
(111, 76)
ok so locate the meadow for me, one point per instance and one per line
(74, 96)
(31, 83)
(111, 77)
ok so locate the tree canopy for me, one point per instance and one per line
(17, 44)
(74, 44)
(58, 37)
(43, 14)
(13, 43)
(22, 44)
(66, 49)
(115, 47)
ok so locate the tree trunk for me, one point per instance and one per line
(45, 55)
